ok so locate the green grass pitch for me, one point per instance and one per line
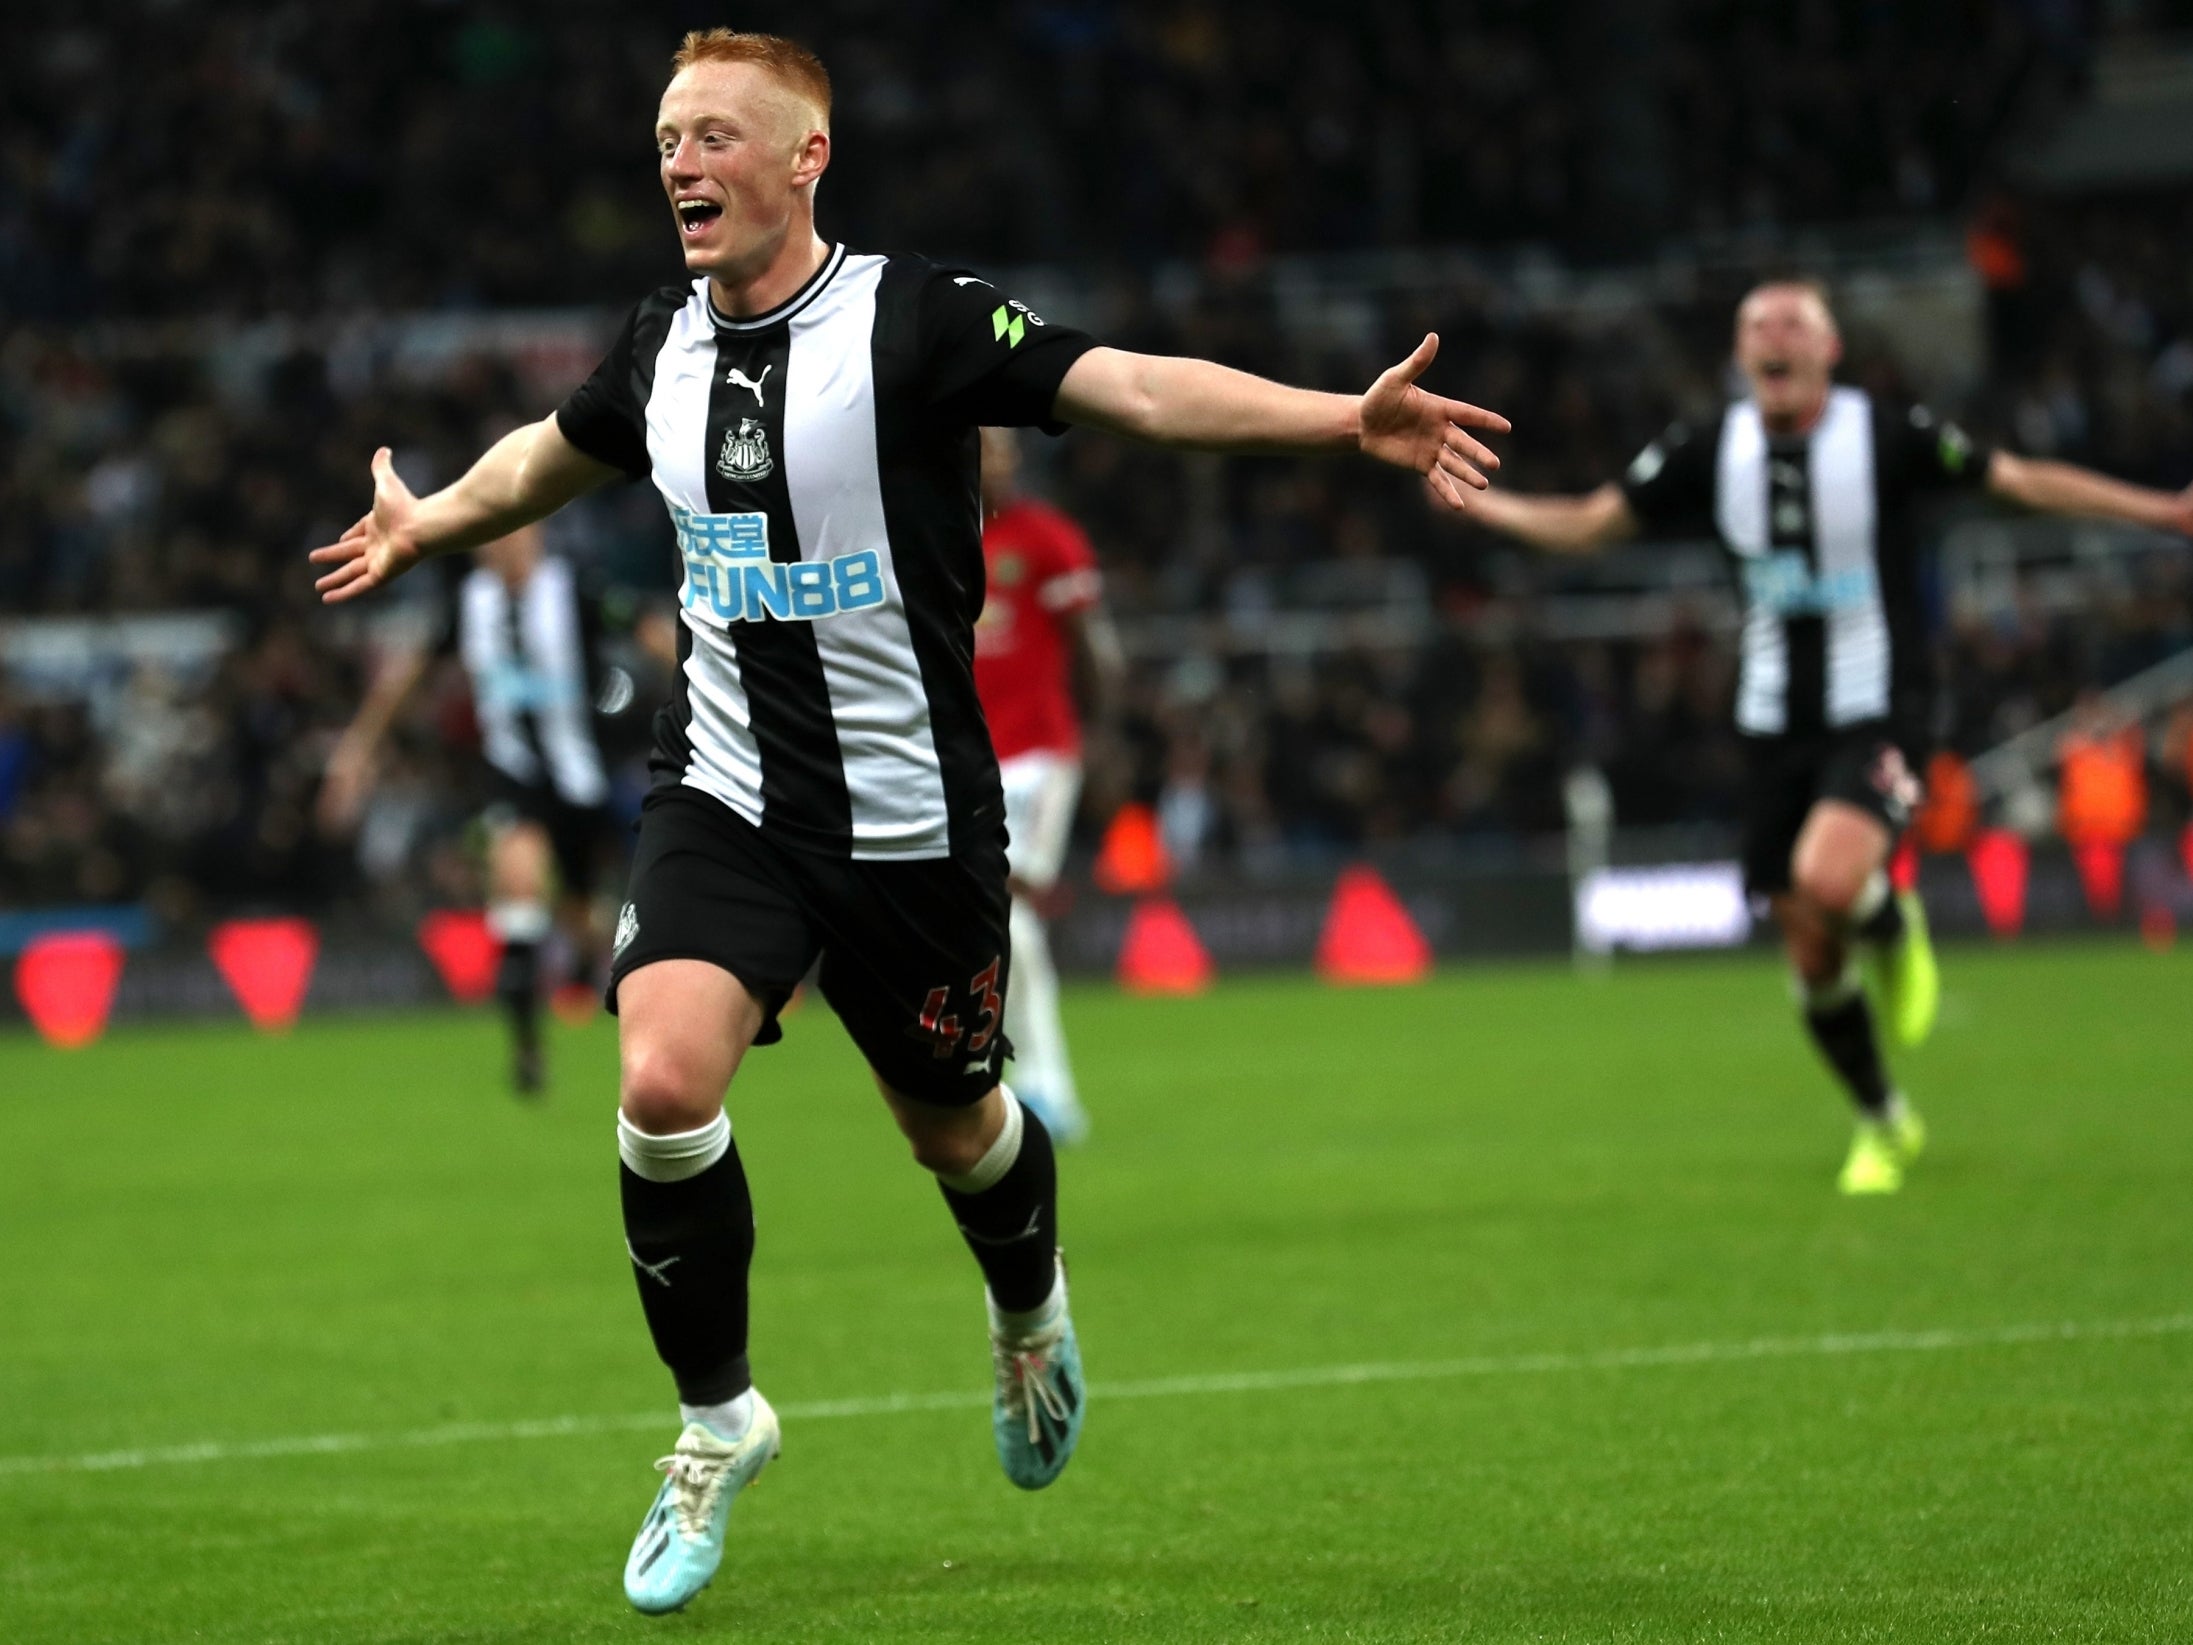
(1627, 1368)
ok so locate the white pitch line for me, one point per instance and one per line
(1233, 1382)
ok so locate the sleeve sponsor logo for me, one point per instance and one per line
(730, 578)
(1010, 320)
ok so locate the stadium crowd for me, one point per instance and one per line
(342, 152)
(148, 464)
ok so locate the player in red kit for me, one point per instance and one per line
(1042, 634)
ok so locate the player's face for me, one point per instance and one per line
(1787, 346)
(736, 150)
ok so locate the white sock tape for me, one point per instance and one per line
(1827, 996)
(676, 1155)
(1871, 898)
(999, 1159)
(519, 921)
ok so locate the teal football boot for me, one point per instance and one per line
(1041, 1397)
(681, 1541)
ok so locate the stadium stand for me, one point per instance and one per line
(187, 389)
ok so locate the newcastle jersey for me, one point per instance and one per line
(819, 464)
(533, 659)
(1821, 529)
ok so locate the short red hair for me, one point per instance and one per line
(790, 63)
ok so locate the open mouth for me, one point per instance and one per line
(694, 216)
(1775, 371)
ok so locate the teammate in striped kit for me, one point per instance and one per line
(1043, 635)
(824, 782)
(531, 638)
(1812, 489)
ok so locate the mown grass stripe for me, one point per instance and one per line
(1181, 1387)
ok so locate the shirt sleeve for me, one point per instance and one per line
(606, 416)
(1070, 580)
(1937, 455)
(989, 359)
(1669, 484)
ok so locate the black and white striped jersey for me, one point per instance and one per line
(820, 464)
(1823, 531)
(534, 659)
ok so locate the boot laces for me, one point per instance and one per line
(696, 1481)
(1025, 1386)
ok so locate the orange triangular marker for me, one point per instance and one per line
(463, 950)
(2101, 876)
(1998, 860)
(66, 983)
(267, 965)
(1368, 936)
(1161, 953)
(1133, 861)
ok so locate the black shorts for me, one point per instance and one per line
(914, 954)
(579, 835)
(1868, 766)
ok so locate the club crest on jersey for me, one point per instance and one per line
(745, 454)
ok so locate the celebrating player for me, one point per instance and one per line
(1812, 490)
(530, 637)
(1042, 633)
(824, 784)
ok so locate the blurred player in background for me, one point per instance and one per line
(530, 635)
(1042, 642)
(1812, 489)
(824, 784)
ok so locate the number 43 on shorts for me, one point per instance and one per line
(941, 1027)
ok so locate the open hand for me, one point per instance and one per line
(381, 547)
(1404, 425)
(2181, 512)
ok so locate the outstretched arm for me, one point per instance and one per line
(350, 763)
(2065, 488)
(1100, 665)
(1560, 525)
(525, 476)
(1207, 407)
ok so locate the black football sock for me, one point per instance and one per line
(689, 1229)
(1878, 914)
(1841, 1024)
(518, 991)
(1007, 1210)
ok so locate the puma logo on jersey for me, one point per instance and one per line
(739, 379)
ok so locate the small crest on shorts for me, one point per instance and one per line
(628, 927)
(745, 454)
